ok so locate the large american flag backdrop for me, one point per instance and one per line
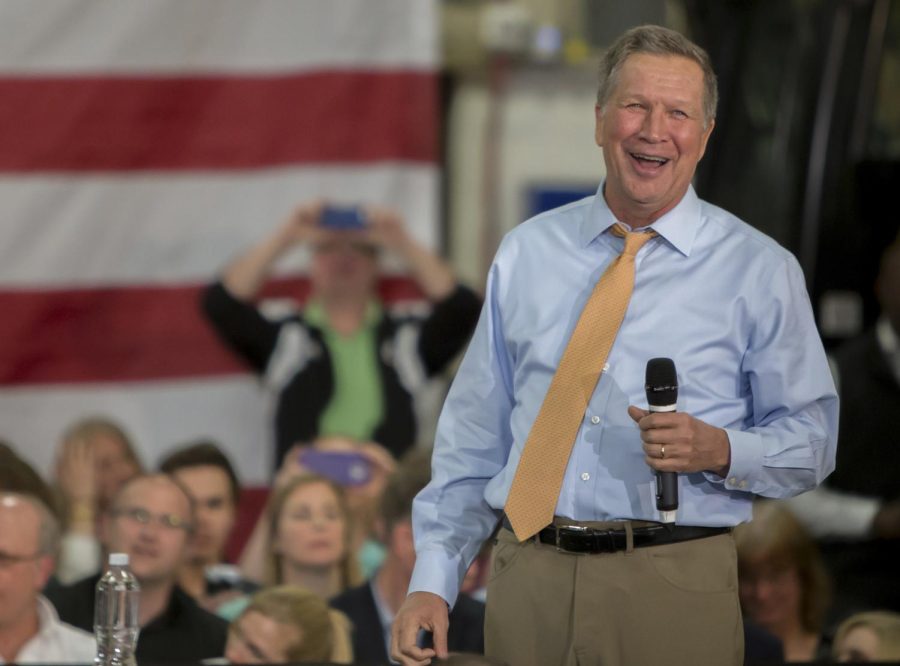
(143, 145)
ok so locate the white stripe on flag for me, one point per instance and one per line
(102, 229)
(158, 416)
(74, 36)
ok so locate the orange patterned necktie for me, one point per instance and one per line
(535, 488)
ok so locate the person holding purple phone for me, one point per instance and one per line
(359, 469)
(344, 365)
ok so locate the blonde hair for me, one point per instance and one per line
(90, 427)
(776, 536)
(885, 624)
(324, 632)
(273, 573)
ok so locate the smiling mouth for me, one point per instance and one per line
(651, 161)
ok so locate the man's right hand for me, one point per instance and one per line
(421, 610)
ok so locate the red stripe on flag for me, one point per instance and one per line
(216, 122)
(125, 334)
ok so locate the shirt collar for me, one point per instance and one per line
(48, 618)
(48, 621)
(679, 226)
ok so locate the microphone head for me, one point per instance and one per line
(661, 382)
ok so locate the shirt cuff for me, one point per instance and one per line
(436, 573)
(746, 461)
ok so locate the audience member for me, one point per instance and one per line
(856, 513)
(362, 495)
(372, 606)
(783, 584)
(761, 645)
(868, 637)
(151, 519)
(95, 458)
(310, 531)
(344, 366)
(207, 474)
(287, 624)
(30, 629)
(361, 469)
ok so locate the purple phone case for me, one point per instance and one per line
(345, 468)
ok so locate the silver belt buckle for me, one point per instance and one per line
(576, 528)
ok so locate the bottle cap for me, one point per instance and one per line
(118, 559)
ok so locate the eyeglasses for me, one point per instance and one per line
(8, 559)
(143, 517)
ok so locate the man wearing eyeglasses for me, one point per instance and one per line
(151, 520)
(30, 630)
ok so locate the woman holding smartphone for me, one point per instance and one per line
(359, 470)
(345, 364)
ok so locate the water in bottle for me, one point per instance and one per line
(116, 614)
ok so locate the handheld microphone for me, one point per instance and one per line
(661, 384)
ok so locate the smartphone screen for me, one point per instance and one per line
(343, 219)
(346, 468)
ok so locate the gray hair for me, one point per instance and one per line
(656, 40)
(48, 530)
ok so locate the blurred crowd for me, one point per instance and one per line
(320, 559)
(320, 571)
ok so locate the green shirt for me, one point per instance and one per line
(356, 407)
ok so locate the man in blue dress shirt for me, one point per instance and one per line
(606, 582)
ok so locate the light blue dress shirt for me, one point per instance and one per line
(726, 303)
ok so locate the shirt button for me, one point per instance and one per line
(595, 419)
(606, 367)
(585, 476)
(743, 484)
(732, 481)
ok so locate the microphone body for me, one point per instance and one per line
(661, 386)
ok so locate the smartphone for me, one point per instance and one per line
(343, 219)
(345, 468)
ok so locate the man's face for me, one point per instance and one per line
(652, 135)
(150, 521)
(23, 572)
(214, 511)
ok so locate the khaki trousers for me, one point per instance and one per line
(671, 605)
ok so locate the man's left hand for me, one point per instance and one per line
(678, 442)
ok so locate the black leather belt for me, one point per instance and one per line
(577, 539)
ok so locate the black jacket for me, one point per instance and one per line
(466, 632)
(295, 361)
(184, 631)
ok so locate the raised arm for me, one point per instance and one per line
(431, 273)
(245, 276)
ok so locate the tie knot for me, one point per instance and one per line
(634, 240)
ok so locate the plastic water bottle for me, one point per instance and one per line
(116, 614)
